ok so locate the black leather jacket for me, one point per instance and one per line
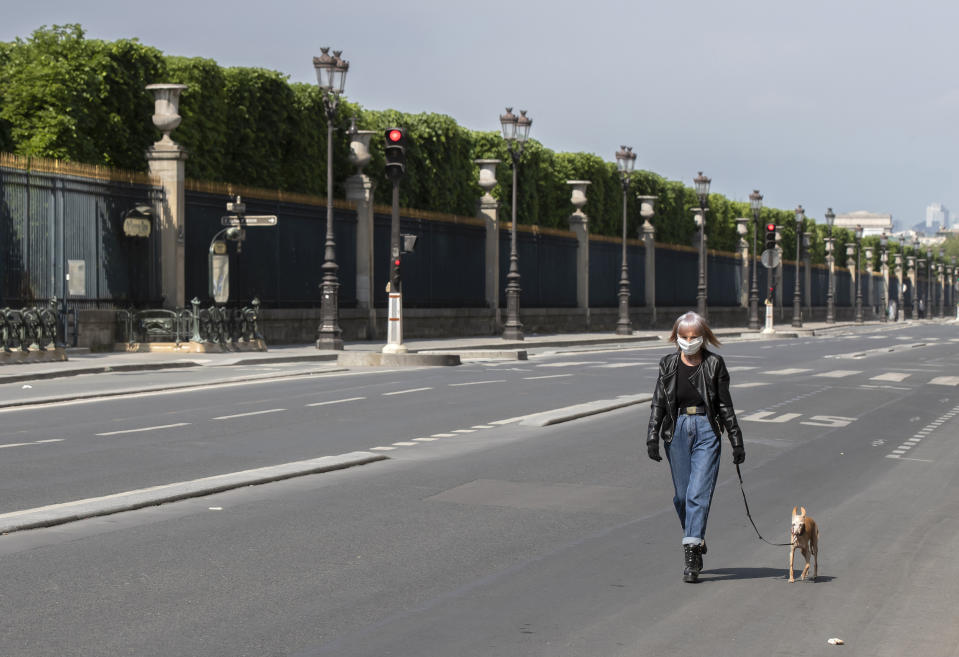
(712, 382)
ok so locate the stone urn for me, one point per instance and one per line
(487, 175)
(578, 195)
(166, 108)
(360, 148)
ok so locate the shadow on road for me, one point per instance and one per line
(723, 574)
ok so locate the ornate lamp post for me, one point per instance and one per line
(916, 285)
(702, 191)
(515, 132)
(625, 160)
(900, 310)
(942, 281)
(884, 260)
(331, 78)
(858, 318)
(929, 287)
(830, 260)
(952, 287)
(797, 301)
(756, 205)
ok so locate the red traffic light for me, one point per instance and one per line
(394, 135)
(770, 227)
(397, 262)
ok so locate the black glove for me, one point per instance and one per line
(653, 450)
(739, 454)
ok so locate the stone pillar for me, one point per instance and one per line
(647, 211)
(742, 227)
(579, 224)
(851, 266)
(489, 212)
(867, 290)
(359, 190)
(166, 160)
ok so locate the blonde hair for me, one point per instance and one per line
(696, 322)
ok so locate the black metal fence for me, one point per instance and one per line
(61, 234)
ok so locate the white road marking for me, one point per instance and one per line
(269, 410)
(403, 392)
(337, 401)
(749, 385)
(615, 365)
(161, 426)
(899, 451)
(891, 376)
(464, 430)
(741, 368)
(424, 440)
(482, 426)
(763, 416)
(921, 460)
(382, 449)
(36, 442)
(945, 381)
(892, 456)
(508, 420)
(790, 370)
(477, 383)
(444, 435)
(550, 376)
(838, 374)
(406, 444)
(572, 363)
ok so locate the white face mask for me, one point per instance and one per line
(689, 347)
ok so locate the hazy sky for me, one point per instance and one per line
(840, 103)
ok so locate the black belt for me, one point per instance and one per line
(692, 410)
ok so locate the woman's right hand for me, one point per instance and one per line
(653, 449)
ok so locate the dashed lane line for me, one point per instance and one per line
(161, 426)
(403, 392)
(35, 442)
(838, 374)
(265, 412)
(336, 401)
(476, 383)
(548, 376)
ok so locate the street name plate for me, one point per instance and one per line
(249, 220)
(770, 258)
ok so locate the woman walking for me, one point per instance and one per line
(690, 409)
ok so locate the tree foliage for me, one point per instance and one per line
(65, 96)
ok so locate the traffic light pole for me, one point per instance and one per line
(394, 329)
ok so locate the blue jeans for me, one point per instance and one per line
(693, 456)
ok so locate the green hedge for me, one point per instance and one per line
(65, 96)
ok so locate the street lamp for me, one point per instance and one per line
(884, 260)
(942, 286)
(756, 204)
(797, 302)
(916, 286)
(858, 318)
(702, 191)
(515, 132)
(830, 259)
(625, 160)
(331, 78)
(929, 288)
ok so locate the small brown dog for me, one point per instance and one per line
(805, 536)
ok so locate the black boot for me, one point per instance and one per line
(694, 562)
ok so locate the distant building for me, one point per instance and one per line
(936, 215)
(873, 223)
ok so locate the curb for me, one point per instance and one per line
(58, 514)
(163, 388)
(548, 418)
(376, 359)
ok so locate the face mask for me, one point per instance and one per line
(689, 347)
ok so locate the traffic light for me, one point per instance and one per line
(395, 153)
(770, 242)
(395, 278)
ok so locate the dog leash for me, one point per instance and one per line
(750, 515)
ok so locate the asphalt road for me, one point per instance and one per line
(504, 540)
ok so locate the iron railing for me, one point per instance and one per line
(229, 327)
(31, 329)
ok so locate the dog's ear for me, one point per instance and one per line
(795, 511)
(802, 510)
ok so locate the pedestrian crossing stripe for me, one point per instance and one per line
(891, 376)
(793, 370)
(838, 374)
(945, 381)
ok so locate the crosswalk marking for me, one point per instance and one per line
(763, 416)
(891, 376)
(790, 370)
(945, 381)
(754, 384)
(741, 368)
(838, 374)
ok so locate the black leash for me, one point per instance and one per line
(750, 516)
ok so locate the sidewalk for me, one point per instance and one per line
(83, 362)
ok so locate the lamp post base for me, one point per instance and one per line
(329, 342)
(513, 332)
